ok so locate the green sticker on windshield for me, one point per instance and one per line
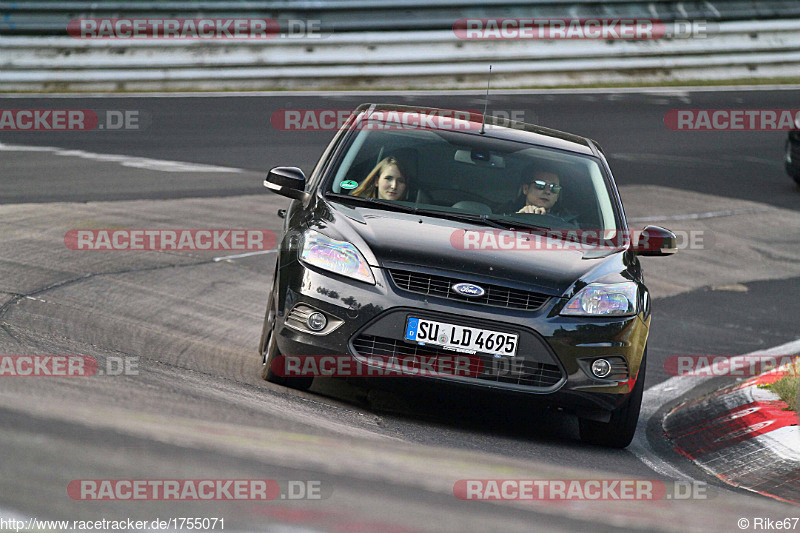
(349, 184)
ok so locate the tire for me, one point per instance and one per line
(792, 168)
(619, 430)
(269, 349)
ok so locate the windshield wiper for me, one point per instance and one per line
(511, 224)
(486, 220)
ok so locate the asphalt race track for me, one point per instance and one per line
(192, 405)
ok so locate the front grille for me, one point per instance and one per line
(441, 286)
(483, 367)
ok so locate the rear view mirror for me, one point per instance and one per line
(287, 181)
(480, 157)
(656, 241)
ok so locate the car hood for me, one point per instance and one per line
(397, 240)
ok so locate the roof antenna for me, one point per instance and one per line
(486, 103)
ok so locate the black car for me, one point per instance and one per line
(792, 157)
(428, 234)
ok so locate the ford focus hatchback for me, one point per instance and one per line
(457, 248)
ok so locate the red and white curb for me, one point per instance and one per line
(743, 435)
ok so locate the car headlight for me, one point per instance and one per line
(601, 299)
(335, 256)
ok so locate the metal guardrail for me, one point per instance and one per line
(50, 17)
(755, 49)
(391, 44)
(379, 48)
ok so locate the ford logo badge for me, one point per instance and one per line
(468, 289)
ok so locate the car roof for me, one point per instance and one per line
(501, 128)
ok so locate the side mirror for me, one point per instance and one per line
(656, 241)
(287, 181)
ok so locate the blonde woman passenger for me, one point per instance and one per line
(386, 181)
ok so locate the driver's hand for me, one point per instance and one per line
(534, 210)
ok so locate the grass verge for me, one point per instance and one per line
(788, 386)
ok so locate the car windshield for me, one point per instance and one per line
(452, 174)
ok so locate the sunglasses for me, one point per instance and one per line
(541, 185)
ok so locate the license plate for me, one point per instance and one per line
(461, 338)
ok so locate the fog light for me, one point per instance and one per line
(316, 321)
(601, 368)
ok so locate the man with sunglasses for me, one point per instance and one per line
(541, 193)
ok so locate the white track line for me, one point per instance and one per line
(237, 256)
(124, 160)
(676, 386)
(708, 214)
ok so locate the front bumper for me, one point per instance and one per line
(556, 351)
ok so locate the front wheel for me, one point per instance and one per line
(269, 350)
(619, 430)
(791, 166)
